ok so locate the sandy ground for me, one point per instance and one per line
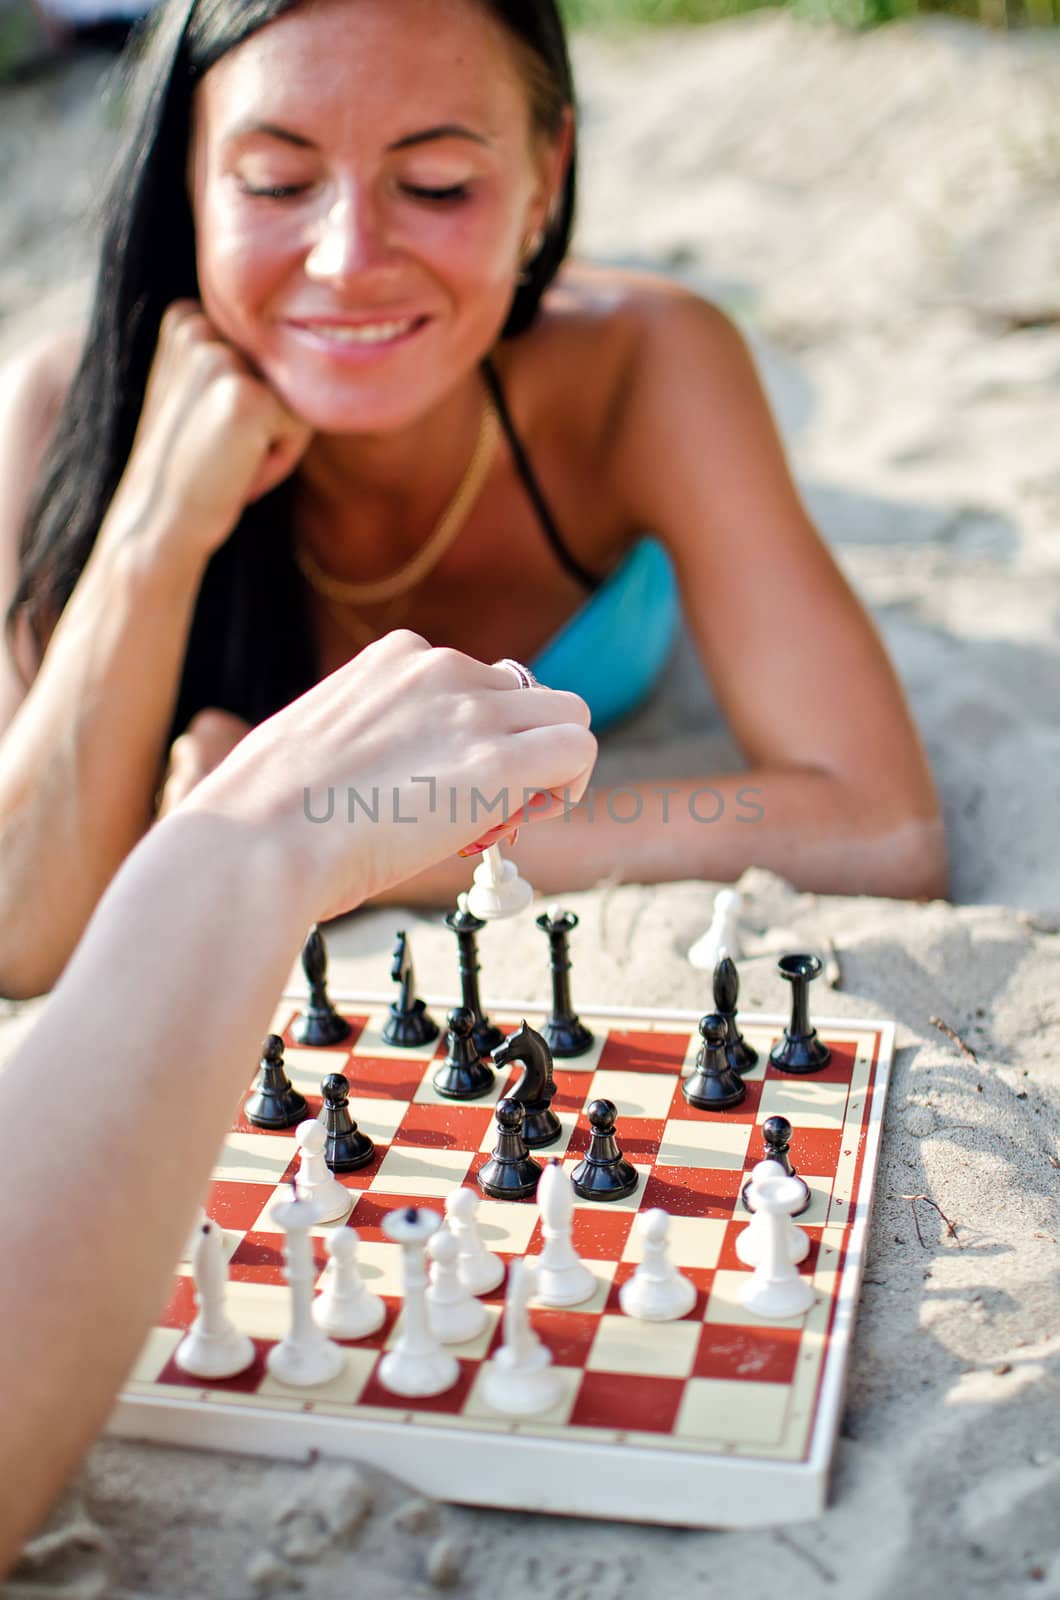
(880, 212)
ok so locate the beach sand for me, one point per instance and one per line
(880, 213)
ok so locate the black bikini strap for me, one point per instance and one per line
(526, 472)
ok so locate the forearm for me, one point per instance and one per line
(80, 763)
(78, 1297)
(808, 826)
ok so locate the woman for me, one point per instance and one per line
(337, 379)
(235, 869)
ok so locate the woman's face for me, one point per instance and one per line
(363, 174)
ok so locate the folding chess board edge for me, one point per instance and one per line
(832, 1382)
(590, 1479)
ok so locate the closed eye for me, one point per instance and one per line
(279, 191)
(455, 191)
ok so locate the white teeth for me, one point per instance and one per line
(369, 333)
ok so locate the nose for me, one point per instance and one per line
(349, 241)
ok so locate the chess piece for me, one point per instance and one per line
(713, 1086)
(408, 1024)
(776, 1140)
(305, 1356)
(497, 889)
(467, 928)
(463, 1074)
(275, 1102)
(722, 938)
(536, 1086)
(775, 1289)
(320, 1023)
(347, 1148)
(480, 1270)
(511, 1173)
(800, 1051)
(562, 1279)
(604, 1173)
(453, 1313)
(563, 1030)
(417, 1365)
(520, 1380)
(315, 1181)
(213, 1347)
(750, 1243)
(657, 1292)
(346, 1308)
(738, 1053)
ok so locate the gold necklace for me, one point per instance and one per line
(340, 592)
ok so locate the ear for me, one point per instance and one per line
(553, 158)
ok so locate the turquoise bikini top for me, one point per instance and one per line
(614, 648)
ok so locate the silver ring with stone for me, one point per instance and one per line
(524, 676)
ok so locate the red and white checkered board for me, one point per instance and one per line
(720, 1419)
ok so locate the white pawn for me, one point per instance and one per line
(417, 1365)
(316, 1181)
(480, 1270)
(346, 1308)
(453, 1312)
(496, 888)
(722, 938)
(213, 1347)
(775, 1288)
(751, 1241)
(657, 1292)
(520, 1380)
(562, 1280)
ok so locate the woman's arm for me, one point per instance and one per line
(208, 912)
(82, 752)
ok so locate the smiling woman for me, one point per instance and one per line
(339, 378)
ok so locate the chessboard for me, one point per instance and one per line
(718, 1419)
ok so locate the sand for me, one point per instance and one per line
(880, 213)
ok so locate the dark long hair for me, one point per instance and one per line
(249, 650)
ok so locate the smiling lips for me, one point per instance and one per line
(361, 333)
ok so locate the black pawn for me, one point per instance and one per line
(463, 1075)
(320, 1023)
(800, 1050)
(713, 1086)
(511, 1173)
(563, 1031)
(408, 1024)
(536, 1088)
(603, 1173)
(467, 927)
(776, 1140)
(738, 1053)
(275, 1102)
(347, 1148)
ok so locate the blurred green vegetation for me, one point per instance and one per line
(851, 13)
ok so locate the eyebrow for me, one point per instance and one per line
(271, 130)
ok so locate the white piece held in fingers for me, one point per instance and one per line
(480, 1270)
(453, 1312)
(305, 1355)
(751, 1242)
(562, 1279)
(496, 888)
(520, 1380)
(213, 1347)
(657, 1292)
(417, 1365)
(722, 938)
(775, 1288)
(316, 1181)
(346, 1308)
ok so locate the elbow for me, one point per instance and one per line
(921, 867)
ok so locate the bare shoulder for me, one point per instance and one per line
(624, 334)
